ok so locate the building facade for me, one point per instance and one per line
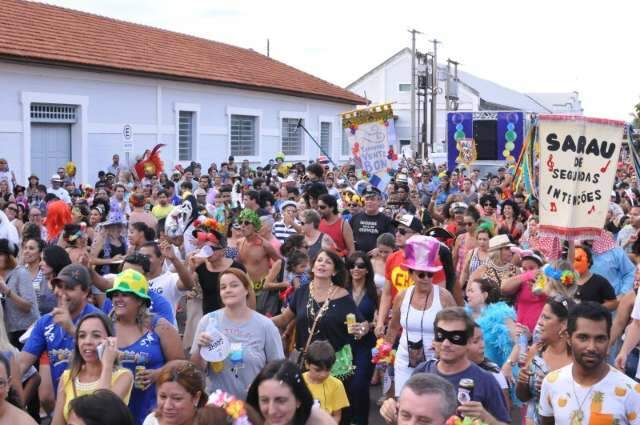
(97, 95)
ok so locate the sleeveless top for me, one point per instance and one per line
(315, 247)
(418, 324)
(462, 251)
(475, 262)
(147, 352)
(335, 232)
(379, 280)
(84, 388)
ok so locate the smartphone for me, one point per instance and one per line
(100, 350)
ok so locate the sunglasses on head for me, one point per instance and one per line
(360, 266)
(422, 274)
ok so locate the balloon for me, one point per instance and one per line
(509, 146)
(511, 136)
(459, 135)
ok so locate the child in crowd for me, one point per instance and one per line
(297, 266)
(326, 390)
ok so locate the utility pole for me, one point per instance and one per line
(434, 92)
(414, 137)
(268, 49)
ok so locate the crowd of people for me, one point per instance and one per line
(244, 294)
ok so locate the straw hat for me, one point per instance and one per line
(499, 241)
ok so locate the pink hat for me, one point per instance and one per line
(420, 253)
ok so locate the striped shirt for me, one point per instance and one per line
(281, 231)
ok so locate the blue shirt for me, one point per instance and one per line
(59, 345)
(159, 306)
(485, 387)
(146, 352)
(615, 266)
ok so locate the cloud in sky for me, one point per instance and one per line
(545, 46)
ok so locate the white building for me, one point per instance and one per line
(391, 82)
(70, 82)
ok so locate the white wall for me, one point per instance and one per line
(150, 107)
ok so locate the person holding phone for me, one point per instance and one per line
(94, 366)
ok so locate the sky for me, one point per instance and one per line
(543, 46)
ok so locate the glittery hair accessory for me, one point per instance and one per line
(234, 407)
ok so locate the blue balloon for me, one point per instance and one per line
(459, 127)
(510, 126)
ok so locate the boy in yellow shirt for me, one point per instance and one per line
(326, 390)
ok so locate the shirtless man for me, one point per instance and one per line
(256, 254)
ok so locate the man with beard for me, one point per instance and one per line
(589, 391)
(370, 223)
(255, 253)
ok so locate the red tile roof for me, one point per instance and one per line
(44, 33)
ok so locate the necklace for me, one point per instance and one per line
(314, 309)
(577, 415)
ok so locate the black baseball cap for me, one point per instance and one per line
(73, 275)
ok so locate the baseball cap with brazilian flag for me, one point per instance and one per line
(131, 282)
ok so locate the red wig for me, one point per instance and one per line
(58, 214)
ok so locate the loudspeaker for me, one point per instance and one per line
(485, 134)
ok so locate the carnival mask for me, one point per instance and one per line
(581, 261)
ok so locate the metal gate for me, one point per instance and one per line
(50, 149)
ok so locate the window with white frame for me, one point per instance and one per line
(185, 135)
(292, 139)
(244, 135)
(325, 137)
(345, 142)
(404, 87)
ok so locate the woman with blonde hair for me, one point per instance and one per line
(94, 366)
(252, 339)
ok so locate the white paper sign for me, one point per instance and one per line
(218, 349)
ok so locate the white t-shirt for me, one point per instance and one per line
(167, 285)
(615, 399)
(61, 193)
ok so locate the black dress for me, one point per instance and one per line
(210, 283)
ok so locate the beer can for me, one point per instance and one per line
(351, 320)
(465, 390)
(137, 384)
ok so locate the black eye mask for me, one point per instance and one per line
(454, 337)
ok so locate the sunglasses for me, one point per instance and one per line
(422, 275)
(246, 223)
(404, 231)
(488, 204)
(353, 205)
(322, 207)
(469, 224)
(360, 266)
